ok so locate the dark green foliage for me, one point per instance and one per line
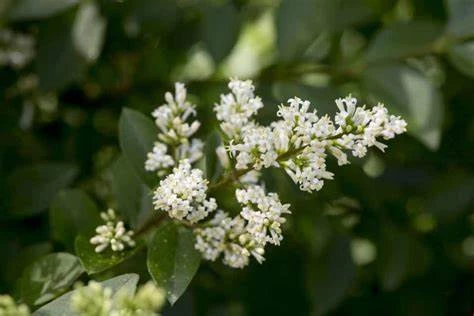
(392, 234)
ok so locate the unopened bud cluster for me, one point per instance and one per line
(113, 234)
(299, 142)
(8, 307)
(97, 300)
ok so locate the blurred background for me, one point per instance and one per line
(393, 234)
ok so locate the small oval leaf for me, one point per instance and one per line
(172, 260)
(62, 305)
(133, 197)
(462, 57)
(403, 40)
(72, 212)
(34, 9)
(32, 188)
(95, 262)
(49, 277)
(137, 133)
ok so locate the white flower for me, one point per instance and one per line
(236, 109)
(171, 117)
(112, 234)
(250, 177)
(245, 235)
(256, 149)
(175, 141)
(223, 157)
(97, 300)
(192, 152)
(158, 158)
(346, 108)
(182, 194)
(264, 214)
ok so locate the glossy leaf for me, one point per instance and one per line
(297, 26)
(137, 133)
(220, 28)
(395, 261)
(34, 9)
(126, 283)
(31, 189)
(58, 62)
(299, 23)
(49, 277)
(72, 212)
(172, 260)
(134, 199)
(403, 40)
(95, 262)
(213, 167)
(335, 274)
(462, 57)
(88, 31)
(412, 95)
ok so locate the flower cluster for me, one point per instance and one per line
(145, 302)
(8, 307)
(96, 300)
(16, 50)
(182, 194)
(174, 139)
(236, 109)
(112, 234)
(299, 141)
(247, 234)
(92, 299)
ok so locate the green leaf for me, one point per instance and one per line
(95, 262)
(213, 168)
(409, 93)
(134, 199)
(172, 260)
(88, 31)
(335, 273)
(298, 25)
(461, 17)
(49, 277)
(62, 306)
(137, 133)
(462, 57)
(395, 260)
(34, 9)
(58, 62)
(220, 28)
(300, 22)
(31, 189)
(453, 199)
(153, 15)
(72, 212)
(403, 40)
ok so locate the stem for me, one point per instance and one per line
(236, 174)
